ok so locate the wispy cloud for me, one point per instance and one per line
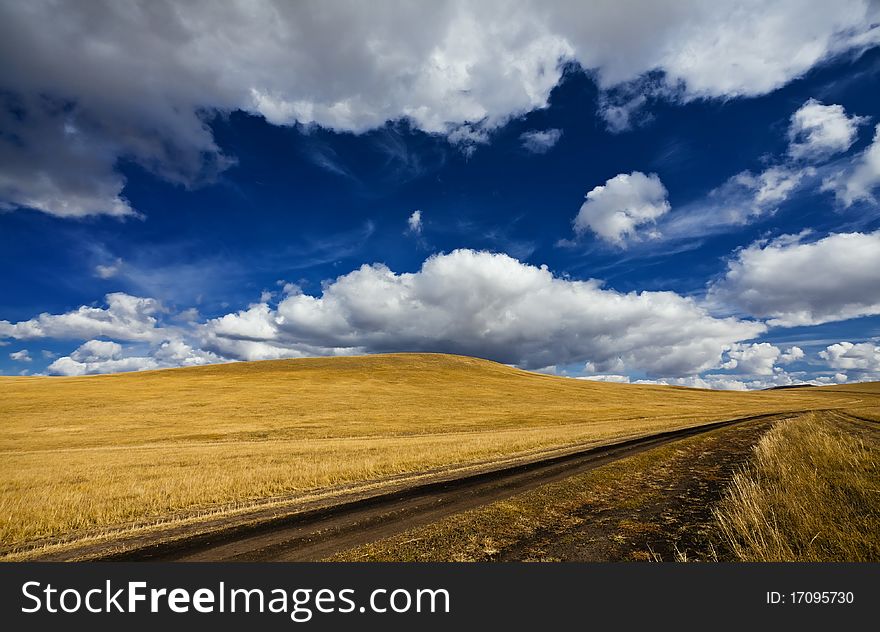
(540, 141)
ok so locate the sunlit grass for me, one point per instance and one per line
(86, 454)
(812, 494)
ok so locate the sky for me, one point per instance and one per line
(675, 192)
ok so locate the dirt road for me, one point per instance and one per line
(320, 534)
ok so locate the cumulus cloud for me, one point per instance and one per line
(415, 222)
(95, 350)
(818, 131)
(760, 359)
(751, 367)
(104, 356)
(794, 283)
(755, 359)
(99, 356)
(87, 84)
(21, 356)
(488, 305)
(468, 302)
(615, 210)
(858, 181)
(792, 354)
(540, 141)
(861, 357)
(126, 317)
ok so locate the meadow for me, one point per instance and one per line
(88, 457)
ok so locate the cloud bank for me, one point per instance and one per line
(467, 302)
(101, 82)
(494, 306)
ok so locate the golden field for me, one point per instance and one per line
(86, 456)
(810, 495)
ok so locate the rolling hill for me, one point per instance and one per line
(83, 456)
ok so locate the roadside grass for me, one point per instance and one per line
(82, 491)
(811, 494)
(83, 456)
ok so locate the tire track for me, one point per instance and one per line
(320, 533)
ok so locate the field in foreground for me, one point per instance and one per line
(94, 456)
(801, 487)
(810, 494)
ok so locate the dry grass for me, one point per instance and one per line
(812, 494)
(80, 456)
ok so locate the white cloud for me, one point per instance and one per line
(540, 141)
(617, 379)
(95, 82)
(760, 359)
(415, 222)
(468, 302)
(266, 296)
(715, 382)
(755, 359)
(108, 271)
(825, 380)
(615, 210)
(861, 357)
(21, 356)
(95, 350)
(792, 354)
(744, 198)
(719, 381)
(125, 318)
(737, 48)
(619, 117)
(103, 356)
(627, 105)
(771, 186)
(818, 131)
(99, 356)
(175, 352)
(794, 283)
(858, 182)
(487, 305)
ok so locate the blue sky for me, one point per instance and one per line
(646, 222)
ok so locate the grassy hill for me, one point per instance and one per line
(83, 455)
